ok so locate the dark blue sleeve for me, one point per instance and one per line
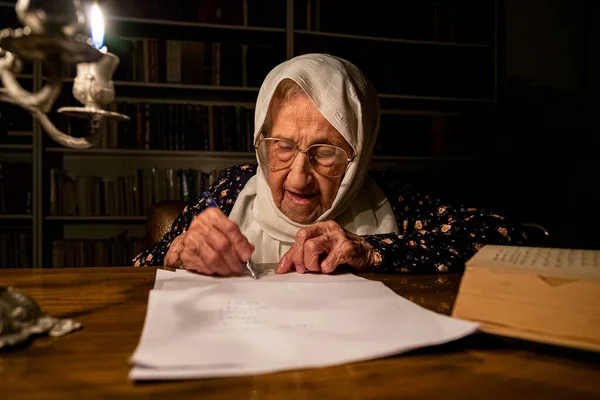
(435, 236)
(225, 191)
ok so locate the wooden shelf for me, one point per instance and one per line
(182, 93)
(160, 98)
(166, 100)
(234, 156)
(176, 86)
(16, 216)
(389, 40)
(15, 147)
(96, 218)
(170, 23)
(183, 86)
(256, 89)
(180, 30)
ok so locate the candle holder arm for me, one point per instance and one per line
(56, 134)
(44, 99)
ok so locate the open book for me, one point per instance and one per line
(540, 294)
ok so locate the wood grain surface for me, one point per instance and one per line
(93, 363)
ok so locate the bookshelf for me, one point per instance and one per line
(434, 64)
(17, 198)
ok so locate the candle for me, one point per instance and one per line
(97, 23)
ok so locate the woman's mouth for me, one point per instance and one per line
(300, 198)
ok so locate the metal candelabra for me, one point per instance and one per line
(51, 34)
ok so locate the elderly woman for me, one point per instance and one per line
(310, 204)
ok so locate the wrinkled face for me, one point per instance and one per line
(298, 191)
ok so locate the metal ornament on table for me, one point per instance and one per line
(21, 318)
(51, 35)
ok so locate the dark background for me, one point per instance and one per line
(545, 167)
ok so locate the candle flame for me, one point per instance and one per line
(97, 22)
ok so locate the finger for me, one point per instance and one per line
(302, 236)
(198, 256)
(241, 246)
(192, 261)
(198, 221)
(335, 258)
(313, 248)
(213, 263)
(285, 264)
(221, 245)
(175, 249)
(300, 269)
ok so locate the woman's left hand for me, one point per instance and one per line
(328, 239)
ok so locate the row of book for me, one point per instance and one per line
(182, 127)
(433, 70)
(438, 20)
(15, 249)
(191, 62)
(265, 13)
(185, 62)
(133, 195)
(119, 251)
(15, 188)
(449, 20)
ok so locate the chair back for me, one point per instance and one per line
(160, 219)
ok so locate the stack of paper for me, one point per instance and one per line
(198, 326)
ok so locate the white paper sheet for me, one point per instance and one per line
(214, 327)
(182, 279)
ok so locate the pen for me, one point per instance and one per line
(210, 202)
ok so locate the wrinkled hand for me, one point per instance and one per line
(329, 240)
(213, 245)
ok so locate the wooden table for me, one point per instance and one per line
(111, 304)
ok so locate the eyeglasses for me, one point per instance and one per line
(327, 160)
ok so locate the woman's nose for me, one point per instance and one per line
(301, 172)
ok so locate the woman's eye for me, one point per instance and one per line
(285, 147)
(325, 153)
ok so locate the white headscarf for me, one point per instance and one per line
(349, 102)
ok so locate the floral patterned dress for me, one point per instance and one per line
(433, 236)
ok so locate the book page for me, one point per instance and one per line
(548, 261)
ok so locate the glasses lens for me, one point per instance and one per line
(328, 160)
(276, 154)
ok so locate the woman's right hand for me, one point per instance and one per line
(212, 245)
